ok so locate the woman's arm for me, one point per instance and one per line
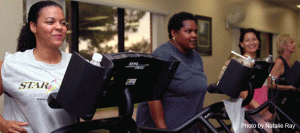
(9, 126)
(157, 113)
(277, 70)
(1, 86)
(254, 104)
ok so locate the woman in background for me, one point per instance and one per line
(26, 75)
(249, 47)
(185, 95)
(288, 94)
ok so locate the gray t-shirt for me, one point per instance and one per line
(185, 95)
(27, 84)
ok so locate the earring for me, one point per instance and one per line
(173, 39)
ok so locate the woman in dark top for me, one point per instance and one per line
(184, 97)
(285, 47)
(287, 93)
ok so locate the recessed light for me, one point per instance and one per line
(298, 6)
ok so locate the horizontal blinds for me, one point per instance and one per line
(128, 5)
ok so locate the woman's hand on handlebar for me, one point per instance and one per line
(267, 115)
(13, 126)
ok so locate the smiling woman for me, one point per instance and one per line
(50, 31)
(36, 64)
(249, 44)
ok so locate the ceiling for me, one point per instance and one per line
(287, 3)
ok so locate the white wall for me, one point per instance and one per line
(10, 20)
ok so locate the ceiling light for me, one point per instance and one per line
(298, 6)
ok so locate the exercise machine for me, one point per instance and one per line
(235, 79)
(281, 118)
(122, 80)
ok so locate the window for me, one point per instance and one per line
(137, 37)
(96, 27)
(99, 29)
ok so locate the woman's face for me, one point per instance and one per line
(186, 37)
(291, 46)
(250, 43)
(50, 29)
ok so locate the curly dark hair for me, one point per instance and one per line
(175, 22)
(27, 38)
(242, 39)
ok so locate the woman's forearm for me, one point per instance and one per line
(157, 113)
(253, 104)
